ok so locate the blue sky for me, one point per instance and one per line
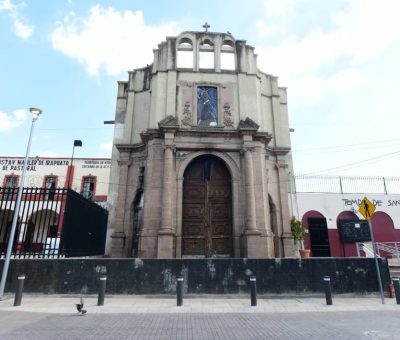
(339, 60)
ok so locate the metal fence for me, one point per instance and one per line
(42, 222)
(347, 185)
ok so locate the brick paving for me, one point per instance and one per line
(212, 317)
(335, 325)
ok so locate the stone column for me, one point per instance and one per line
(249, 186)
(166, 233)
(118, 236)
(252, 241)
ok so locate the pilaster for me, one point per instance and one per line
(118, 237)
(166, 233)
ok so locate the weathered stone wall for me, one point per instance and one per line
(201, 276)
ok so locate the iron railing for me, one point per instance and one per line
(383, 249)
(41, 223)
(347, 184)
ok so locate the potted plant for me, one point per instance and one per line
(299, 233)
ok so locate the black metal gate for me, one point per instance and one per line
(52, 222)
(84, 228)
(319, 237)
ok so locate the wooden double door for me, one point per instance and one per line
(207, 209)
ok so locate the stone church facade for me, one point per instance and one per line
(201, 155)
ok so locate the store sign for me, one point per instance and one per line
(17, 164)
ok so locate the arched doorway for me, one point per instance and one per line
(278, 246)
(316, 224)
(207, 209)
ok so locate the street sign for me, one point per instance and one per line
(367, 208)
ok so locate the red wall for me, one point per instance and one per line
(304, 222)
(382, 226)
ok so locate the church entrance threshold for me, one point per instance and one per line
(207, 209)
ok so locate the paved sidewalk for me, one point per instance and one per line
(208, 304)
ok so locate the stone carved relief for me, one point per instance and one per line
(187, 115)
(228, 115)
(248, 124)
(247, 149)
(168, 121)
(171, 147)
(124, 162)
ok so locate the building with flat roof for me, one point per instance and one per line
(88, 176)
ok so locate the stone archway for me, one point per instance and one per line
(207, 208)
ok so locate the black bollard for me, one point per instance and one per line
(20, 288)
(102, 290)
(396, 285)
(179, 291)
(253, 290)
(328, 291)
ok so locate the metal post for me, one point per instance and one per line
(384, 185)
(70, 167)
(20, 288)
(179, 291)
(376, 261)
(16, 214)
(396, 285)
(253, 291)
(358, 248)
(328, 290)
(102, 290)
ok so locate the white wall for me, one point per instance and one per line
(331, 205)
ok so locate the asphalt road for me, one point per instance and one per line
(332, 325)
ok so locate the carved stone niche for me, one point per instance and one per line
(227, 120)
(187, 118)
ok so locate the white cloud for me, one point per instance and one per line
(7, 5)
(110, 40)
(106, 146)
(265, 29)
(359, 34)
(345, 81)
(21, 28)
(278, 7)
(10, 121)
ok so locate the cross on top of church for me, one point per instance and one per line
(206, 26)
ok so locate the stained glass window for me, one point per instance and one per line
(207, 109)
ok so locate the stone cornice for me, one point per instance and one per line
(248, 126)
(263, 137)
(150, 134)
(130, 147)
(169, 123)
(279, 151)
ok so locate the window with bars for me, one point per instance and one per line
(11, 183)
(50, 187)
(88, 187)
